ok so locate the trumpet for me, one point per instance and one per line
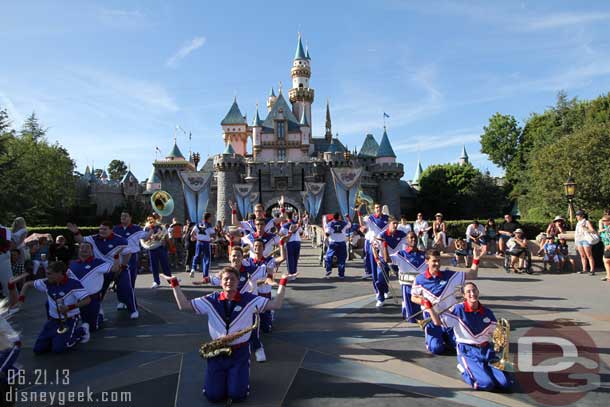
(457, 293)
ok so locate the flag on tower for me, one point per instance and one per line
(386, 115)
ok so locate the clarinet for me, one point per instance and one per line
(62, 329)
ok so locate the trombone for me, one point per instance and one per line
(423, 322)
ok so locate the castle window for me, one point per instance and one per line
(281, 154)
(280, 130)
(300, 85)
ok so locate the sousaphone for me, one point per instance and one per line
(162, 203)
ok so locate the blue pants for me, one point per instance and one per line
(228, 376)
(90, 313)
(369, 260)
(438, 338)
(477, 371)
(203, 254)
(133, 267)
(293, 251)
(408, 308)
(8, 357)
(49, 340)
(338, 249)
(255, 337)
(125, 292)
(159, 255)
(266, 323)
(379, 281)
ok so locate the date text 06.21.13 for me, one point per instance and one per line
(39, 377)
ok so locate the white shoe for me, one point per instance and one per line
(460, 368)
(260, 356)
(135, 315)
(327, 274)
(120, 306)
(292, 278)
(154, 285)
(366, 276)
(379, 304)
(86, 335)
(192, 274)
(387, 295)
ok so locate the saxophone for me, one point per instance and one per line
(220, 346)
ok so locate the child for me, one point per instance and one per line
(461, 252)
(551, 253)
(65, 295)
(564, 255)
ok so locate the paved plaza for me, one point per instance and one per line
(330, 345)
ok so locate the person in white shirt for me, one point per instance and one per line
(421, 228)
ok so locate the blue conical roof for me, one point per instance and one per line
(229, 150)
(300, 53)
(175, 153)
(303, 121)
(127, 176)
(272, 93)
(369, 147)
(418, 172)
(307, 54)
(385, 148)
(234, 115)
(154, 178)
(257, 119)
(464, 153)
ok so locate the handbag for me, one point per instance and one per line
(591, 237)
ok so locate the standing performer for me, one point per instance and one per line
(336, 231)
(435, 287)
(203, 233)
(65, 296)
(10, 347)
(156, 243)
(249, 226)
(473, 326)
(91, 272)
(230, 314)
(291, 231)
(392, 241)
(375, 224)
(410, 262)
(108, 247)
(133, 234)
(270, 239)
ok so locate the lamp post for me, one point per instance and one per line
(196, 159)
(570, 190)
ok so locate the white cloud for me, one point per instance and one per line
(185, 50)
(564, 19)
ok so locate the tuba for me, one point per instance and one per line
(162, 203)
(220, 346)
(156, 239)
(362, 198)
(501, 341)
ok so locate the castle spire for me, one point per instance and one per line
(257, 119)
(329, 133)
(417, 174)
(385, 147)
(300, 53)
(464, 156)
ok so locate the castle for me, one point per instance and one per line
(284, 157)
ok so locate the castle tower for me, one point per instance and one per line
(257, 126)
(328, 135)
(271, 100)
(463, 157)
(417, 175)
(305, 131)
(235, 129)
(301, 95)
(228, 167)
(387, 172)
(168, 172)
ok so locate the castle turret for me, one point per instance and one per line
(153, 183)
(256, 127)
(464, 156)
(385, 153)
(417, 175)
(271, 100)
(228, 167)
(305, 130)
(301, 95)
(328, 135)
(235, 129)
(387, 172)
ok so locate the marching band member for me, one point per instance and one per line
(91, 271)
(158, 255)
(291, 231)
(229, 311)
(65, 296)
(336, 231)
(434, 287)
(133, 234)
(203, 233)
(375, 224)
(108, 247)
(10, 343)
(410, 262)
(473, 326)
(270, 239)
(249, 226)
(392, 241)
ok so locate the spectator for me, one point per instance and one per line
(5, 259)
(60, 251)
(491, 235)
(584, 238)
(505, 232)
(556, 227)
(565, 255)
(605, 237)
(517, 249)
(189, 244)
(19, 231)
(475, 236)
(175, 234)
(421, 229)
(403, 225)
(440, 233)
(600, 223)
(550, 248)
(40, 254)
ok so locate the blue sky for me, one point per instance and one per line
(113, 79)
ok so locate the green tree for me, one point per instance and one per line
(117, 170)
(98, 172)
(500, 140)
